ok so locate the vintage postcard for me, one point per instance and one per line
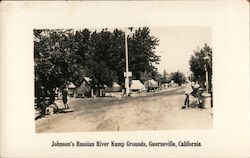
(81, 82)
(125, 79)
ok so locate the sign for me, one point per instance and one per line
(129, 74)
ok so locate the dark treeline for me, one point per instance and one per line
(199, 64)
(63, 56)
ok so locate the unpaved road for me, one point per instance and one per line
(157, 111)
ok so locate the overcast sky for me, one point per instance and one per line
(177, 44)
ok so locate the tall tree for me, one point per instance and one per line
(98, 60)
(165, 74)
(82, 39)
(142, 53)
(178, 77)
(117, 54)
(146, 75)
(55, 60)
(64, 55)
(198, 62)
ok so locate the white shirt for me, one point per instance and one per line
(189, 88)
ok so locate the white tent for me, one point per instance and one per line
(115, 88)
(151, 84)
(87, 79)
(71, 85)
(136, 85)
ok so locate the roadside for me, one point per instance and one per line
(155, 111)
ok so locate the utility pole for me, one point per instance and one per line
(206, 58)
(206, 78)
(126, 57)
(206, 95)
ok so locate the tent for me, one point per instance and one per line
(115, 88)
(84, 89)
(71, 86)
(136, 85)
(151, 84)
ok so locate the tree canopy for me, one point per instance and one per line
(198, 62)
(178, 77)
(56, 61)
(63, 56)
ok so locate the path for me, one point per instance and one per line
(158, 111)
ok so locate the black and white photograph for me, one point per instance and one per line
(120, 79)
(124, 78)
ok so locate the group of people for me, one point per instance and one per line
(194, 89)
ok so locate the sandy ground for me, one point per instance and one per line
(153, 111)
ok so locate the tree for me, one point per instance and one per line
(63, 56)
(115, 57)
(98, 64)
(109, 48)
(146, 75)
(141, 47)
(178, 77)
(165, 77)
(165, 74)
(82, 39)
(197, 65)
(56, 61)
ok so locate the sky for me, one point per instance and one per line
(177, 44)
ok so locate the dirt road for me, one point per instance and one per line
(156, 111)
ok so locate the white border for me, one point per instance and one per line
(229, 21)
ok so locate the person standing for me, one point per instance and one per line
(188, 91)
(65, 97)
(200, 91)
(197, 92)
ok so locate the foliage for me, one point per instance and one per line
(142, 52)
(165, 77)
(146, 75)
(198, 63)
(178, 77)
(55, 60)
(63, 56)
(97, 64)
(165, 74)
